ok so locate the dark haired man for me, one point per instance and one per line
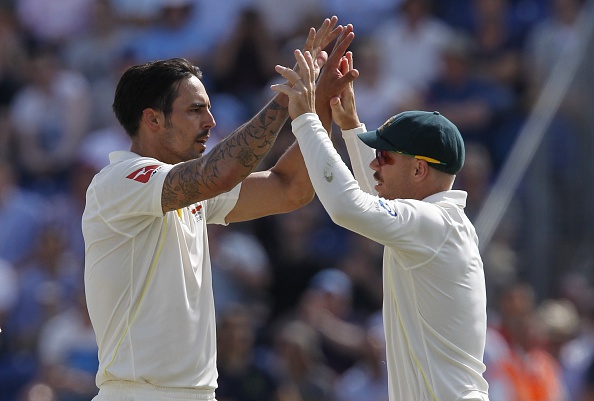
(147, 269)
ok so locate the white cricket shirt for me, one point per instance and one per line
(148, 277)
(434, 307)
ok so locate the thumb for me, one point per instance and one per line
(336, 105)
(350, 76)
(335, 100)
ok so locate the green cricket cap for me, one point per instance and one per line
(424, 135)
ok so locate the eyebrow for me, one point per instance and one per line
(201, 104)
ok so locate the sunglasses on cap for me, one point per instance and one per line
(382, 155)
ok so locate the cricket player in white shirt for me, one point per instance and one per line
(147, 266)
(434, 308)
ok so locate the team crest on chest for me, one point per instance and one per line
(197, 212)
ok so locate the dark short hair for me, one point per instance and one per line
(151, 85)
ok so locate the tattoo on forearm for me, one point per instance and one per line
(232, 159)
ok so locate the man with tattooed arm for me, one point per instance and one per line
(147, 268)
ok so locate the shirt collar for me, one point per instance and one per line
(454, 196)
(121, 155)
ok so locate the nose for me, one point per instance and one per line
(374, 165)
(210, 121)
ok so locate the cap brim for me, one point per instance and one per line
(375, 141)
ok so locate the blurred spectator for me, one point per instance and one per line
(515, 302)
(526, 372)
(499, 42)
(529, 372)
(185, 28)
(243, 62)
(21, 216)
(16, 368)
(100, 57)
(362, 263)
(301, 368)
(561, 322)
(173, 33)
(496, 352)
(136, 12)
(587, 391)
(552, 39)
(474, 104)
(49, 280)
(37, 392)
(411, 43)
(289, 241)
(518, 15)
(364, 15)
(380, 94)
(50, 116)
(241, 272)
(523, 369)
(326, 305)
(12, 62)
(577, 354)
(55, 21)
(242, 376)
(368, 378)
(68, 353)
(286, 19)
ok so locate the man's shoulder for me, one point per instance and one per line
(127, 165)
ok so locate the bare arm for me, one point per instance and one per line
(234, 158)
(230, 161)
(286, 186)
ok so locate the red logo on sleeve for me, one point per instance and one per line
(143, 174)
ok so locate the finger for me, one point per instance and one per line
(350, 77)
(327, 32)
(287, 73)
(336, 105)
(310, 66)
(311, 37)
(345, 40)
(305, 71)
(321, 59)
(326, 40)
(281, 88)
(349, 57)
(344, 67)
(342, 44)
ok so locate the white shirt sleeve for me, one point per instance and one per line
(361, 156)
(398, 223)
(337, 189)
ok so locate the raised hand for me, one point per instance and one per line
(301, 85)
(344, 110)
(335, 76)
(317, 41)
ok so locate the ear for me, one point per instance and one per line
(152, 119)
(421, 170)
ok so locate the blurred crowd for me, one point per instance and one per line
(298, 299)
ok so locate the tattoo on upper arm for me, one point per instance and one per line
(229, 162)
